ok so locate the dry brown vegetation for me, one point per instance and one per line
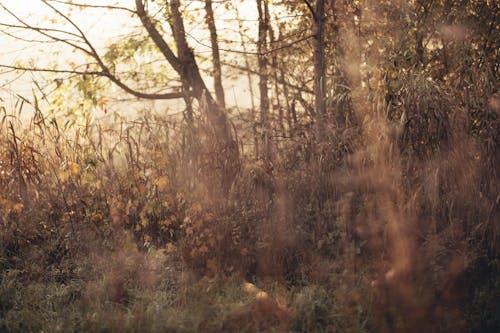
(384, 219)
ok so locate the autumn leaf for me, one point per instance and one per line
(196, 208)
(168, 221)
(103, 101)
(169, 247)
(74, 169)
(64, 175)
(203, 250)
(161, 183)
(144, 221)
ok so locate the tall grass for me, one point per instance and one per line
(388, 224)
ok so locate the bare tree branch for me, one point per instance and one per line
(25, 27)
(267, 52)
(52, 70)
(83, 5)
(13, 36)
(172, 95)
(136, 93)
(93, 51)
(44, 33)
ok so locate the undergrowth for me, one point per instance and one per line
(389, 224)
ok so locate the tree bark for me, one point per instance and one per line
(319, 60)
(250, 85)
(217, 71)
(274, 66)
(263, 11)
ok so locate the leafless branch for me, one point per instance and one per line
(25, 27)
(83, 5)
(12, 35)
(172, 95)
(254, 53)
(52, 70)
(44, 33)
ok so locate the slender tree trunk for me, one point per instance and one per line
(263, 76)
(281, 66)
(289, 115)
(250, 86)
(217, 72)
(274, 66)
(319, 65)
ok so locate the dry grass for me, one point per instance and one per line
(388, 223)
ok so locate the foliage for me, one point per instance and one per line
(379, 216)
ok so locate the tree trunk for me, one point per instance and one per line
(318, 29)
(263, 76)
(250, 86)
(274, 66)
(217, 72)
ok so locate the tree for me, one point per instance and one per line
(217, 71)
(318, 29)
(183, 62)
(263, 10)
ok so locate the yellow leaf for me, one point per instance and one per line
(64, 175)
(18, 207)
(161, 183)
(74, 168)
(103, 101)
